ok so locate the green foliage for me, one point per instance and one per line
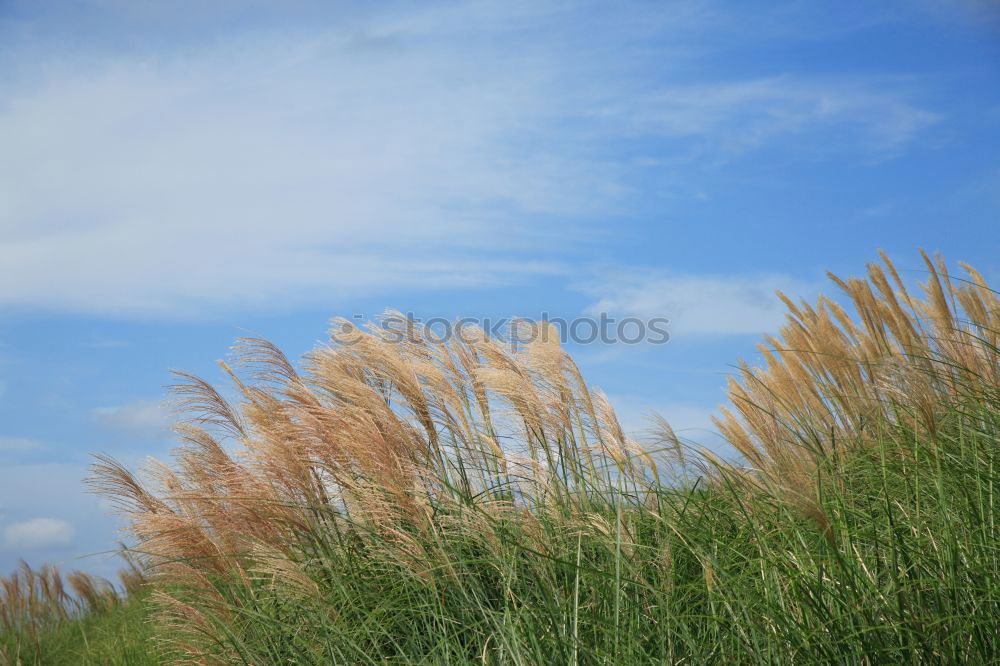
(903, 567)
(121, 635)
(416, 501)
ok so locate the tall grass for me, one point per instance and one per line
(46, 616)
(407, 500)
(829, 379)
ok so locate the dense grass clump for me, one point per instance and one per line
(403, 500)
(904, 569)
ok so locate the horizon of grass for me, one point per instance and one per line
(456, 503)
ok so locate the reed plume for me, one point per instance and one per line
(33, 601)
(830, 379)
(401, 495)
(379, 438)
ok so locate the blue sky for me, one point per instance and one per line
(174, 175)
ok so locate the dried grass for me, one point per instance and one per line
(828, 378)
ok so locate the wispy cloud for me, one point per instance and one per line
(418, 149)
(140, 417)
(105, 343)
(870, 116)
(18, 444)
(53, 491)
(37, 533)
(701, 305)
(324, 162)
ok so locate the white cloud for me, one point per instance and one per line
(19, 444)
(55, 490)
(37, 533)
(701, 305)
(735, 116)
(142, 416)
(315, 164)
(275, 168)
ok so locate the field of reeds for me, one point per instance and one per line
(75, 618)
(418, 501)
